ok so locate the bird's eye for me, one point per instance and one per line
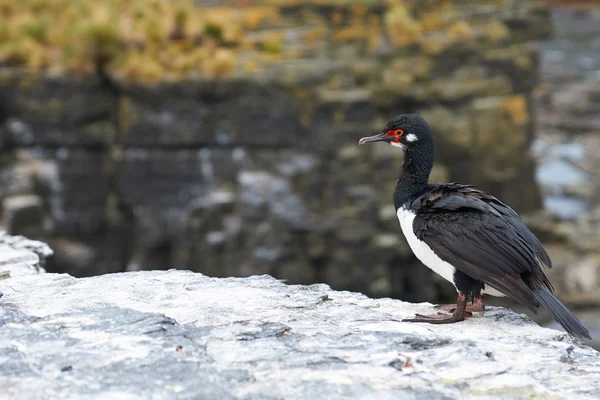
(395, 132)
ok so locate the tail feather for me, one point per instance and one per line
(559, 312)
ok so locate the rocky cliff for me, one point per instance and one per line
(182, 335)
(568, 136)
(252, 167)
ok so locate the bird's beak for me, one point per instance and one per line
(377, 138)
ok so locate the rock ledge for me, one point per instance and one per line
(182, 335)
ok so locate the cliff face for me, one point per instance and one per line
(257, 170)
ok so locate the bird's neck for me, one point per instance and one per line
(414, 175)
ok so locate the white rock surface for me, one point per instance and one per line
(21, 256)
(182, 335)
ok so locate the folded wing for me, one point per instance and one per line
(484, 239)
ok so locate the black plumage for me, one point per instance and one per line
(483, 239)
(469, 230)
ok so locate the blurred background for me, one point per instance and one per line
(221, 136)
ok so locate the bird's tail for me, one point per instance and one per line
(559, 312)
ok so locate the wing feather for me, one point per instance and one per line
(482, 238)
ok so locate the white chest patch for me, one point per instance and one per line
(424, 253)
(421, 249)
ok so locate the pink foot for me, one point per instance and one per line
(459, 314)
(476, 306)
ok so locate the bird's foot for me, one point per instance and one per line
(476, 306)
(446, 307)
(440, 318)
(459, 314)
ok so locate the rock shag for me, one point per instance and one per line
(467, 236)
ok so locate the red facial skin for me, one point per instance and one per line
(396, 134)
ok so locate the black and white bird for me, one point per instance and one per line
(467, 236)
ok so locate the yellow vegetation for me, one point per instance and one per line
(351, 33)
(255, 16)
(434, 45)
(422, 67)
(140, 66)
(273, 43)
(315, 35)
(439, 17)
(149, 40)
(523, 61)
(358, 10)
(431, 21)
(221, 64)
(143, 40)
(337, 18)
(516, 107)
(497, 30)
(251, 67)
(402, 28)
(460, 30)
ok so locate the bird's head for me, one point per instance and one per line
(405, 131)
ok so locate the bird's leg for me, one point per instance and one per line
(459, 314)
(475, 306)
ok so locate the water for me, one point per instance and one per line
(575, 46)
(559, 173)
(565, 207)
(556, 174)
